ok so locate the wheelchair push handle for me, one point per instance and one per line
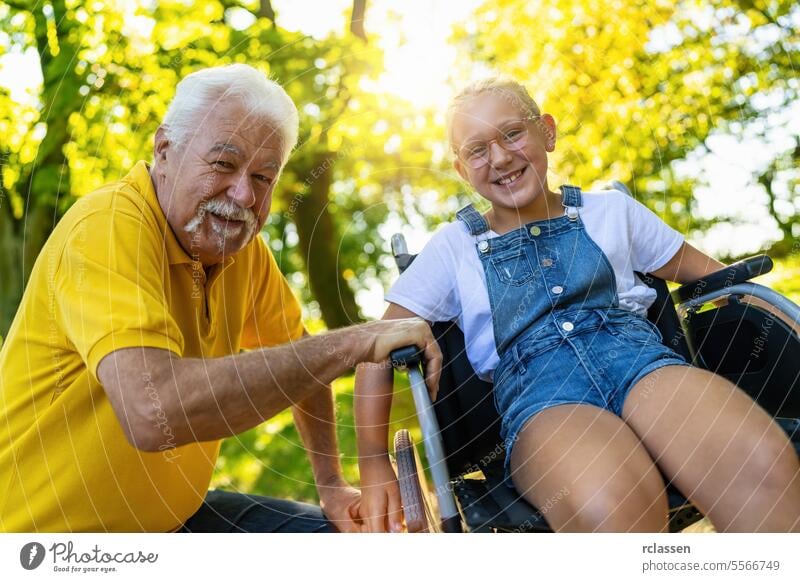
(734, 274)
(400, 252)
(399, 246)
(406, 357)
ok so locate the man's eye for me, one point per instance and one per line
(263, 178)
(223, 164)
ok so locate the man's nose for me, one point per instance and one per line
(242, 192)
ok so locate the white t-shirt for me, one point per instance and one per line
(446, 282)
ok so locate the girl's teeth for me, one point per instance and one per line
(510, 179)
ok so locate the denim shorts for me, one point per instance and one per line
(576, 357)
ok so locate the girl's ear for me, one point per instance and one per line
(548, 125)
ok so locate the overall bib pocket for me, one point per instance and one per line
(513, 268)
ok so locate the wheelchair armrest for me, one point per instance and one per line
(734, 274)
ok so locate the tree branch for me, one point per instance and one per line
(265, 10)
(19, 6)
(766, 179)
(357, 19)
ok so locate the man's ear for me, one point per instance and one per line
(160, 146)
(548, 125)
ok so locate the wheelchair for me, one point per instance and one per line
(723, 322)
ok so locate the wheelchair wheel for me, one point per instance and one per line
(416, 509)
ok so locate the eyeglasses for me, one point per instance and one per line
(512, 137)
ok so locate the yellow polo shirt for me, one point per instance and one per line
(112, 275)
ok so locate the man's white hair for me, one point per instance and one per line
(199, 92)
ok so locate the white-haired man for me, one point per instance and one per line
(124, 366)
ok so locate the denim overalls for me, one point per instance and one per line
(560, 334)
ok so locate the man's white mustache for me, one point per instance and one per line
(224, 209)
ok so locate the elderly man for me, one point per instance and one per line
(124, 366)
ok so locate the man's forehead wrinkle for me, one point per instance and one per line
(227, 147)
(264, 140)
(241, 127)
(269, 140)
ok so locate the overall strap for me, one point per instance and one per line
(571, 200)
(474, 220)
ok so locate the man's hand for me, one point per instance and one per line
(382, 337)
(341, 504)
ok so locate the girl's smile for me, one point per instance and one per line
(511, 178)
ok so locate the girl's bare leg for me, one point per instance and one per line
(586, 470)
(719, 448)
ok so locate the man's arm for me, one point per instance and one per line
(315, 421)
(163, 400)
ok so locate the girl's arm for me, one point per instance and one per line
(687, 265)
(380, 504)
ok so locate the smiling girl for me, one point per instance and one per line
(592, 402)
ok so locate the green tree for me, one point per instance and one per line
(36, 189)
(105, 88)
(639, 85)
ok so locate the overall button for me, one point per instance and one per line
(558, 289)
(483, 246)
(536, 231)
(567, 326)
(547, 262)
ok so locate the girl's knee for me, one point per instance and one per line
(772, 461)
(618, 505)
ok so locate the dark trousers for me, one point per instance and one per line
(223, 511)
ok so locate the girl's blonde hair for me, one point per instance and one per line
(506, 87)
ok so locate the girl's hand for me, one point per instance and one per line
(381, 509)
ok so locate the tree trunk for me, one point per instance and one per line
(45, 183)
(319, 241)
(10, 262)
(357, 19)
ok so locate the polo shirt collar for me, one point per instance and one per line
(139, 177)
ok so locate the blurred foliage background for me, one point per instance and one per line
(644, 92)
